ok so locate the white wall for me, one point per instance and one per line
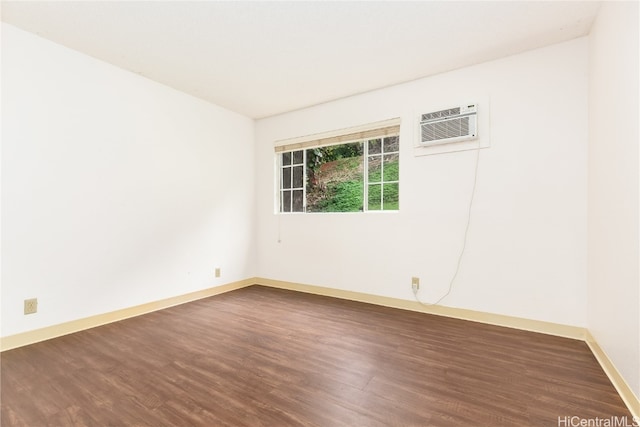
(116, 190)
(526, 254)
(613, 254)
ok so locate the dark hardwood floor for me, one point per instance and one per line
(267, 357)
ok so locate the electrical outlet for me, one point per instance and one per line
(217, 271)
(30, 306)
(415, 283)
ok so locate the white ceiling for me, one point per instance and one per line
(264, 58)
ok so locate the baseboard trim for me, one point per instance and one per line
(628, 396)
(43, 334)
(573, 332)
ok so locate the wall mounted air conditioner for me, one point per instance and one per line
(450, 125)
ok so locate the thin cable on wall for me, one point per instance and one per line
(464, 240)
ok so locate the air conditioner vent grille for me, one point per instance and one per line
(449, 125)
(451, 128)
(441, 114)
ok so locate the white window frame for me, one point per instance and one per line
(382, 182)
(362, 134)
(281, 190)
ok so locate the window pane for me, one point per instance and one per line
(331, 178)
(391, 143)
(390, 197)
(335, 181)
(297, 157)
(298, 200)
(298, 177)
(375, 146)
(286, 201)
(391, 169)
(375, 169)
(286, 178)
(375, 193)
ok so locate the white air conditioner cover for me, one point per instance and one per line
(449, 125)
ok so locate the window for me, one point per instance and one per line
(292, 191)
(383, 170)
(324, 175)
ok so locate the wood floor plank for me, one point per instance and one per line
(269, 357)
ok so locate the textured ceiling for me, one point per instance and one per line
(264, 58)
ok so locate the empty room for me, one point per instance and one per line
(320, 213)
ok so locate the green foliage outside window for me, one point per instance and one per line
(335, 176)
